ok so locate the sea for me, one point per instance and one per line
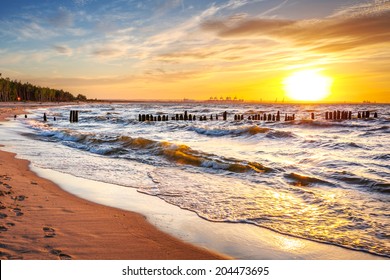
(317, 179)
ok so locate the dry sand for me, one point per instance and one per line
(38, 220)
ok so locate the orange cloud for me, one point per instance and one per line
(330, 34)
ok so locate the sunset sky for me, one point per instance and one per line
(175, 49)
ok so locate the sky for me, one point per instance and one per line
(175, 49)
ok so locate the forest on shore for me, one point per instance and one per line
(13, 90)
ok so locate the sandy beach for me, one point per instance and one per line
(41, 221)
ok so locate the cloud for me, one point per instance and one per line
(33, 30)
(62, 49)
(82, 2)
(107, 52)
(247, 27)
(63, 18)
(367, 8)
(334, 33)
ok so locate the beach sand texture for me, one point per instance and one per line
(38, 220)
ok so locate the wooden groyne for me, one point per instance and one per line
(265, 117)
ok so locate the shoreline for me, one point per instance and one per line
(39, 220)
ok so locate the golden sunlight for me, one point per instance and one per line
(307, 85)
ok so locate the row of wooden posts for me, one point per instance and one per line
(334, 115)
(179, 117)
(329, 115)
(73, 116)
(266, 117)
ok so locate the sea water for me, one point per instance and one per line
(322, 180)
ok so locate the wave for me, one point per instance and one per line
(174, 153)
(362, 183)
(248, 130)
(275, 134)
(303, 180)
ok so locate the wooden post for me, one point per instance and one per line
(185, 115)
(312, 116)
(225, 116)
(44, 117)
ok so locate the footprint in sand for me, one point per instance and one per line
(65, 257)
(18, 211)
(3, 228)
(19, 197)
(49, 232)
(61, 255)
(3, 216)
(4, 193)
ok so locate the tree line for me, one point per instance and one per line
(13, 90)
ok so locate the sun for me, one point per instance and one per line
(307, 85)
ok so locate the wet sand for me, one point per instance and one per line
(38, 220)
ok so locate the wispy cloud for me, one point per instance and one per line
(62, 49)
(62, 18)
(335, 33)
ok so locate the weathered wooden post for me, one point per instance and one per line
(359, 115)
(225, 116)
(278, 116)
(159, 118)
(190, 117)
(312, 116)
(44, 117)
(376, 115)
(185, 115)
